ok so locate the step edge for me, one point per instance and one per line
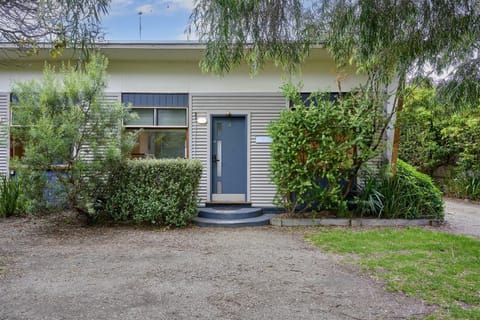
(233, 221)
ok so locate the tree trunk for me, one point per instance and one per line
(396, 135)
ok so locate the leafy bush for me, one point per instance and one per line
(463, 185)
(155, 191)
(472, 186)
(464, 133)
(319, 146)
(437, 135)
(408, 194)
(422, 120)
(9, 193)
(41, 192)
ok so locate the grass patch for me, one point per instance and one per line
(440, 268)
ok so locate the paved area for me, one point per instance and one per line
(52, 270)
(462, 217)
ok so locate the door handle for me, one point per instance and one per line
(214, 158)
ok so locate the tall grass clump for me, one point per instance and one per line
(9, 194)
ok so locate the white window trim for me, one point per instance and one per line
(155, 108)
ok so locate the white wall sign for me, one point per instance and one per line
(263, 139)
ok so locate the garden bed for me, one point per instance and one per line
(289, 221)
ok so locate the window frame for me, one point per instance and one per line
(131, 107)
(155, 118)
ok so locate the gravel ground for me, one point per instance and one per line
(52, 270)
(462, 217)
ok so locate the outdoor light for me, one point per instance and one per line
(202, 120)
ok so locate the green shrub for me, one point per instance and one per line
(463, 185)
(155, 191)
(9, 193)
(472, 186)
(70, 133)
(422, 120)
(41, 193)
(409, 194)
(319, 146)
(438, 135)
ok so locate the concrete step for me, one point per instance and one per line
(261, 220)
(229, 213)
(223, 204)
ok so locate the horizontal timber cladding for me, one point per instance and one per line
(108, 100)
(199, 150)
(4, 132)
(261, 109)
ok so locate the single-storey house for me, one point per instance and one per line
(220, 120)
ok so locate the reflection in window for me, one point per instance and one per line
(171, 117)
(164, 123)
(144, 117)
(161, 143)
(16, 147)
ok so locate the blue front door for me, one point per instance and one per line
(229, 159)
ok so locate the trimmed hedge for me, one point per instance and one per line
(410, 194)
(155, 191)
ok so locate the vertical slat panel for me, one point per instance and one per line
(156, 99)
(4, 132)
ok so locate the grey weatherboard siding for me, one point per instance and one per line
(260, 109)
(108, 99)
(4, 132)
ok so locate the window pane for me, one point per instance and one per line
(145, 117)
(16, 147)
(171, 117)
(14, 120)
(166, 143)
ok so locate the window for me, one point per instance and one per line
(161, 143)
(333, 96)
(16, 143)
(164, 120)
(16, 147)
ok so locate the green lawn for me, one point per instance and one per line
(440, 268)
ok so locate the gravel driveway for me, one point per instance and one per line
(462, 217)
(59, 271)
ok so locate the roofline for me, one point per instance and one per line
(186, 44)
(174, 44)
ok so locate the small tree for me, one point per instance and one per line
(67, 127)
(319, 146)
